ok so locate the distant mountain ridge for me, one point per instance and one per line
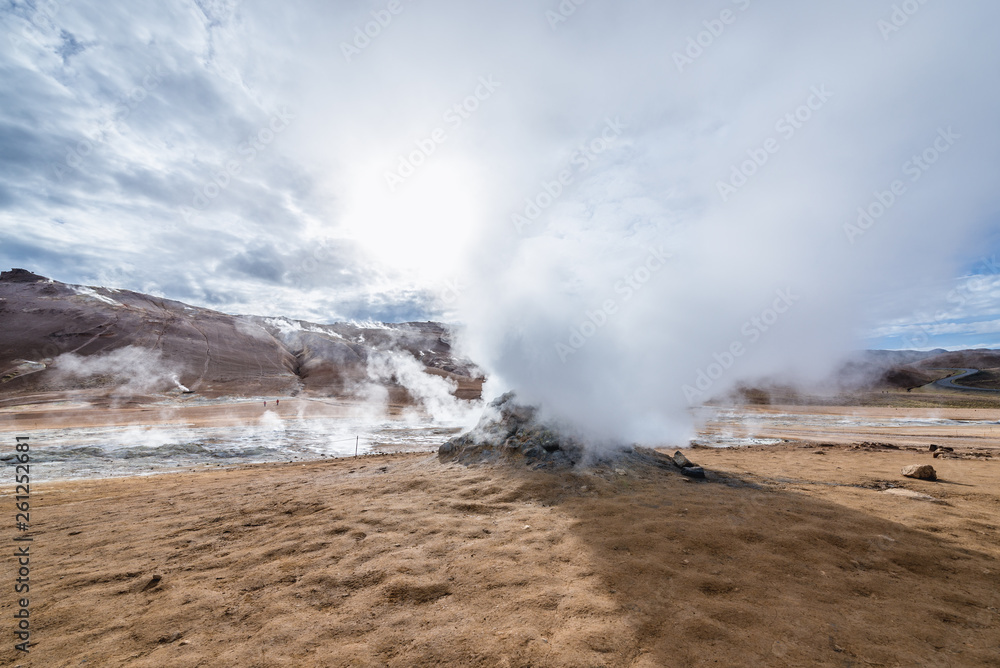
(198, 349)
(160, 345)
(909, 369)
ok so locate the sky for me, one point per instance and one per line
(644, 179)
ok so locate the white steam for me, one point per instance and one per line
(434, 394)
(127, 371)
(753, 204)
(177, 383)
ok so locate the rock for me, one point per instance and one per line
(681, 460)
(510, 431)
(548, 441)
(874, 446)
(920, 472)
(534, 452)
(17, 275)
(693, 471)
(153, 582)
(946, 453)
(932, 447)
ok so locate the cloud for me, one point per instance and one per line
(70, 46)
(123, 118)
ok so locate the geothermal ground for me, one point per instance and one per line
(801, 547)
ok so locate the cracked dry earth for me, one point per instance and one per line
(404, 561)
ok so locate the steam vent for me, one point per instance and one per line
(508, 431)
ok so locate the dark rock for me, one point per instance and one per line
(534, 452)
(693, 471)
(874, 446)
(932, 447)
(153, 582)
(510, 431)
(20, 276)
(946, 453)
(682, 461)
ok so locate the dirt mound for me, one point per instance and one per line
(510, 432)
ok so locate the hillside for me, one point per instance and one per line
(57, 337)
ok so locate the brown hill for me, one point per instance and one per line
(963, 359)
(57, 336)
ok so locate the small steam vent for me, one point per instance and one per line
(509, 431)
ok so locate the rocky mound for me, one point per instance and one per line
(17, 275)
(510, 432)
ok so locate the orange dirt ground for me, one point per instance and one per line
(787, 557)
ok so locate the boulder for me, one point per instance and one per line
(693, 471)
(920, 472)
(681, 460)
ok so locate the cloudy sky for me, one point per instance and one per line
(520, 165)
